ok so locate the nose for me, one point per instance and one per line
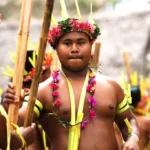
(74, 48)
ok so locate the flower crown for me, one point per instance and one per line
(71, 24)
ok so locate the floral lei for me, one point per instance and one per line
(69, 25)
(56, 102)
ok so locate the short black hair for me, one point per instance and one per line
(28, 65)
(136, 95)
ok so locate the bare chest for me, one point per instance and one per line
(105, 103)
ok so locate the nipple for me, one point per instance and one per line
(65, 111)
(111, 107)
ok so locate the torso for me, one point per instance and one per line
(99, 133)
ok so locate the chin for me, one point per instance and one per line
(76, 68)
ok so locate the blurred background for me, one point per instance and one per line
(125, 26)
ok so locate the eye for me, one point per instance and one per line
(81, 42)
(67, 43)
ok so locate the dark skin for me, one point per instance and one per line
(38, 142)
(144, 124)
(74, 52)
(16, 142)
(144, 128)
(142, 120)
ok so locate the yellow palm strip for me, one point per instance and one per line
(2, 112)
(80, 113)
(12, 56)
(53, 21)
(134, 79)
(43, 136)
(128, 126)
(33, 59)
(78, 10)
(17, 131)
(64, 12)
(74, 132)
(8, 71)
(91, 15)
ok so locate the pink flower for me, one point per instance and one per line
(57, 103)
(92, 101)
(55, 94)
(84, 124)
(55, 76)
(92, 114)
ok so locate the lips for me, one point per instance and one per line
(75, 57)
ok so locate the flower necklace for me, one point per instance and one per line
(89, 88)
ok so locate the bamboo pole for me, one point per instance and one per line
(21, 56)
(127, 65)
(39, 63)
(95, 60)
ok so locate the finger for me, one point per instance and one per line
(11, 90)
(10, 85)
(10, 97)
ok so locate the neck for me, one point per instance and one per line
(75, 74)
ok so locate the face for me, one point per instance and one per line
(74, 51)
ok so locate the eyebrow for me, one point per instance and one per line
(79, 39)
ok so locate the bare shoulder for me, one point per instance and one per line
(110, 85)
(44, 90)
(108, 81)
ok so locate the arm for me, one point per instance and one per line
(131, 139)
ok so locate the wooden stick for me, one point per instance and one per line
(21, 56)
(127, 65)
(39, 63)
(95, 60)
(12, 107)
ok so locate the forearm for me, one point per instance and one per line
(134, 131)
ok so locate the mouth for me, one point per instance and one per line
(75, 57)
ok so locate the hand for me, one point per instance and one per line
(28, 133)
(10, 96)
(131, 144)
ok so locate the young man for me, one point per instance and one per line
(78, 105)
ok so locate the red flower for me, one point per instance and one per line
(88, 88)
(54, 85)
(57, 103)
(32, 72)
(55, 94)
